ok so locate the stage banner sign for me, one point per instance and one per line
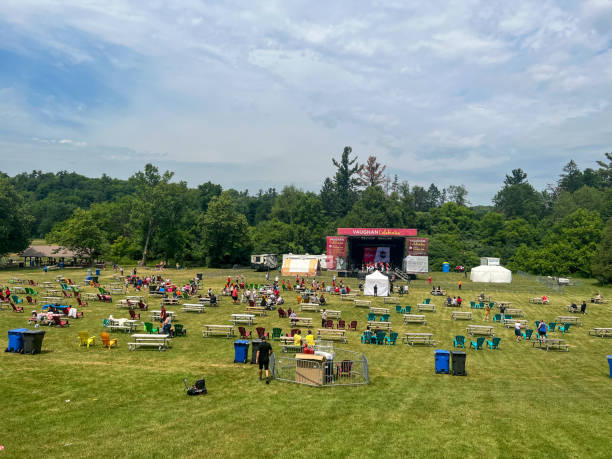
(377, 232)
(417, 246)
(336, 252)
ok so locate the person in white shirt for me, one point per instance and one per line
(517, 331)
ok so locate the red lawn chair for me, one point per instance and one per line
(341, 324)
(261, 332)
(16, 308)
(66, 294)
(281, 313)
(61, 323)
(80, 302)
(30, 300)
(133, 315)
(294, 331)
(353, 325)
(329, 323)
(243, 333)
(142, 306)
(344, 368)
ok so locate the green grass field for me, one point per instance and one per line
(515, 402)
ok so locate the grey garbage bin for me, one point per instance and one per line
(458, 363)
(255, 346)
(32, 341)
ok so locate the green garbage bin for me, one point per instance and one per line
(32, 341)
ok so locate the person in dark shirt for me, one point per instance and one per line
(263, 358)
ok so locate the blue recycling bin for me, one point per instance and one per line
(241, 350)
(15, 340)
(610, 364)
(97, 271)
(442, 358)
(445, 267)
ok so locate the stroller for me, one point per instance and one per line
(199, 388)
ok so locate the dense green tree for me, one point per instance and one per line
(15, 222)
(80, 234)
(602, 261)
(374, 209)
(518, 198)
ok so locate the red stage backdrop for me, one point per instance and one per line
(377, 232)
(336, 248)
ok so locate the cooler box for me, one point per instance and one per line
(241, 351)
(442, 361)
(15, 340)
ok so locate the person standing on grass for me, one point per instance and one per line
(542, 329)
(429, 280)
(323, 318)
(502, 310)
(375, 290)
(263, 358)
(487, 315)
(460, 284)
(583, 307)
(517, 331)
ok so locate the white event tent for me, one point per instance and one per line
(488, 273)
(380, 280)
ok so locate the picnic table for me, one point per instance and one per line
(257, 310)
(333, 314)
(379, 325)
(156, 315)
(551, 343)
(379, 311)
(601, 332)
(52, 299)
(504, 303)
(509, 323)
(18, 289)
(170, 301)
(126, 303)
(193, 307)
(135, 298)
(309, 307)
(153, 340)
(116, 290)
(391, 299)
(461, 315)
(598, 300)
(414, 319)
(206, 300)
(301, 321)
(362, 303)
(248, 319)
(91, 297)
(331, 334)
(126, 325)
(483, 298)
(348, 296)
(538, 300)
(218, 330)
(514, 312)
(568, 320)
(426, 307)
(419, 338)
(482, 330)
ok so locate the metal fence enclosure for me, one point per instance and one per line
(347, 368)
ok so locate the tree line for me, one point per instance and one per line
(565, 229)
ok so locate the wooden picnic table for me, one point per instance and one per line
(419, 338)
(379, 311)
(601, 332)
(257, 310)
(551, 343)
(300, 321)
(156, 315)
(462, 315)
(414, 319)
(379, 325)
(126, 325)
(514, 312)
(482, 330)
(538, 300)
(331, 334)
(598, 300)
(486, 298)
(154, 340)
(218, 330)
(116, 290)
(206, 300)
(309, 307)
(193, 307)
(362, 303)
(247, 319)
(333, 314)
(569, 320)
(52, 299)
(348, 296)
(91, 297)
(135, 298)
(170, 301)
(391, 299)
(504, 303)
(426, 307)
(18, 289)
(509, 323)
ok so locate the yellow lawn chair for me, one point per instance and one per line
(85, 339)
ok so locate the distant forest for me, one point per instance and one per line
(565, 229)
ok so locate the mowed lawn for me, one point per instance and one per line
(515, 402)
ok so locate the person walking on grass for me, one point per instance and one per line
(542, 330)
(375, 290)
(459, 284)
(487, 315)
(263, 358)
(517, 331)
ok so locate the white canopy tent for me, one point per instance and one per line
(488, 273)
(380, 280)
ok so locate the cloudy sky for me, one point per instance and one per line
(258, 94)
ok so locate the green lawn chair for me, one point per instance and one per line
(459, 341)
(426, 300)
(408, 310)
(16, 299)
(366, 337)
(527, 334)
(473, 305)
(477, 345)
(564, 328)
(149, 327)
(507, 316)
(398, 308)
(492, 304)
(179, 330)
(497, 318)
(185, 296)
(380, 337)
(481, 305)
(277, 333)
(385, 318)
(494, 343)
(552, 326)
(371, 317)
(391, 339)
